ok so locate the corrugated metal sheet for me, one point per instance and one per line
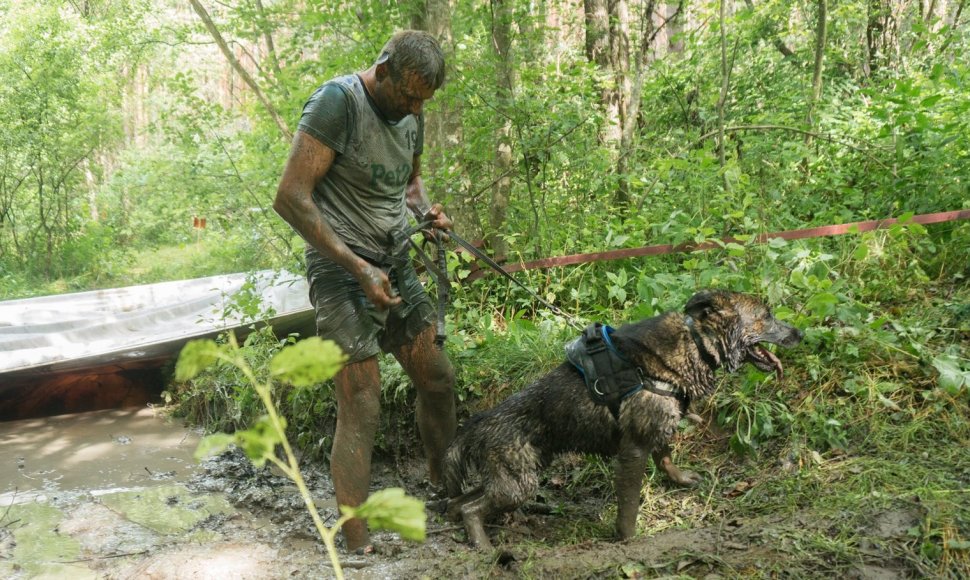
(121, 326)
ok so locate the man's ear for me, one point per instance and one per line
(381, 71)
(700, 305)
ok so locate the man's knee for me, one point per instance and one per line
(358, 390)
(439, 376)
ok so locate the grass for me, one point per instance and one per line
(209, 256)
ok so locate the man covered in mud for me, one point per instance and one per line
(352, 176)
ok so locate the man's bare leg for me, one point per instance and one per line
(358, 392)
(434, 380)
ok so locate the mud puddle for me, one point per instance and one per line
(118, 494)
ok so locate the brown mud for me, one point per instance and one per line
(117, 494)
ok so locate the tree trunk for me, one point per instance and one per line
(620, 63)
(504, 84)
(882, 35)
(240, 70)
(264, 27)
(820, 35)
(725, 83)
(599, 51)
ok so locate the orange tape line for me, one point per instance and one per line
(817, 232)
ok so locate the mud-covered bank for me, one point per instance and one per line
(117, 494)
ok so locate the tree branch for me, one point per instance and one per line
(828, 138)
(237, 66)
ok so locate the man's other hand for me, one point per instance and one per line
(377, 287)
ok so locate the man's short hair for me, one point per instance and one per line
(415, 51)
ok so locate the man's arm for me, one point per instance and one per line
(309, 161)
(417, 200)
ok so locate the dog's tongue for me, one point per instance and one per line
(779, 370)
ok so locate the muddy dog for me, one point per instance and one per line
(675, 353)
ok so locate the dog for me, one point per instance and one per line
(675, 355)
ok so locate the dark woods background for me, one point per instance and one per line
(564, 126)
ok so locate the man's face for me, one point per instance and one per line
(404, 97)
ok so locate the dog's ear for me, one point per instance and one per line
(701, 304)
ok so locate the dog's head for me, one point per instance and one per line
(737, 325)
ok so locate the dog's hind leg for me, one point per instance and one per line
(630, 467)
(509, 479)
(455, 504)
(661, 458)
(474, 514)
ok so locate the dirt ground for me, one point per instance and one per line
(117, 494)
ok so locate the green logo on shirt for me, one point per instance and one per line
(390, 177)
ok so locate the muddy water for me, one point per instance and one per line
(118, 494)
(97, 452)
(113, 494)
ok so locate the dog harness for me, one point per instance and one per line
(611, 377)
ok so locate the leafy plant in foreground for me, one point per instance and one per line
(303, 364)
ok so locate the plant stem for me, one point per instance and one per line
(291, 468)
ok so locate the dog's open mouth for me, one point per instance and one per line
(765, 360)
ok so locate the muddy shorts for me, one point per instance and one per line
(345, 315)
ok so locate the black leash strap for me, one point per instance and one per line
(444, 287)
(495, 266)
(442, 283)
(440, 272)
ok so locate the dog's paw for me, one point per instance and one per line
(684, 477)
(438, 506)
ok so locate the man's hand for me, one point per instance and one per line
(377, 286)
(439, 220)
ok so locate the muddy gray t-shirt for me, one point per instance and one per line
(362, 195)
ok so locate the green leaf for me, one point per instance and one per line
(195, 357)
(391, 509)
(213, 445)
(259, 442)
(822, 304)
(955, 544)
(952, 377)
(307, 362)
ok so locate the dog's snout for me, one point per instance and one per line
(794, 336)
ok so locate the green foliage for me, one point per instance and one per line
(307, 362)
(391, 509)
(197, 355)
(299, 365)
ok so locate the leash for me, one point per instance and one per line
(439, 269)
(572, 320)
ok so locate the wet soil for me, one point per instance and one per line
(117, 494)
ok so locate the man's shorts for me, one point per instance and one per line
(345, 315)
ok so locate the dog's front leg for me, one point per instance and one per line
(630, 467)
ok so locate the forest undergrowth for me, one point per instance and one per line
(871, 418)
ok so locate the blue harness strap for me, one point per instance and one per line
(610, 376)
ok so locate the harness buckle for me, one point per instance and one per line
(595, 388)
